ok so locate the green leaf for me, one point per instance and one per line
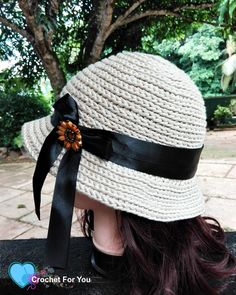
(232, 8)
(223, 10)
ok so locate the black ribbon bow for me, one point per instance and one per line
(124, 150)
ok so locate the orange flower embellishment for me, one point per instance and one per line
(69, 133)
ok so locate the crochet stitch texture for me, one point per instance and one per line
(147, 97)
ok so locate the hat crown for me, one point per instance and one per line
(144, 96)
(141, 95)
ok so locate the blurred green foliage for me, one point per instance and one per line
(227, 16)
(199, 54)
(74, 28)
(15, 110)
(196, 48)
(222, 114)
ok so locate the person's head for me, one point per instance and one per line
(172, 258)
(143, 124)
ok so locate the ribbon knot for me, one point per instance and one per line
(124, 150)
(57, 245)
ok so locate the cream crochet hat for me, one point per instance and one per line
(146, 97)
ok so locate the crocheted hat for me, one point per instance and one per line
(147, 98)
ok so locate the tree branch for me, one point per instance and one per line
(195, 6)
(131, 9)
(124, 20)
(143, 15)
(104, 20)
(121, 19)
(16, 29)
(42, 45)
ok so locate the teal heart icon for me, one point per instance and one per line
(21, 273)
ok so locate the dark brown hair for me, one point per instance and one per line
(173, 258)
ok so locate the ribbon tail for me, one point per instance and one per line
(57, 245)
(48, 154)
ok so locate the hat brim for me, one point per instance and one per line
(121, 188)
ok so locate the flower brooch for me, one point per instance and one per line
(69, 133)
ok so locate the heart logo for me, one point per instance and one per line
(21, 273)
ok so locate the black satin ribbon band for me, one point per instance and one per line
(124, 150)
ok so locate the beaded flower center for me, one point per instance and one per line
(69, 133)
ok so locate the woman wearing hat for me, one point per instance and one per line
(124, 143)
